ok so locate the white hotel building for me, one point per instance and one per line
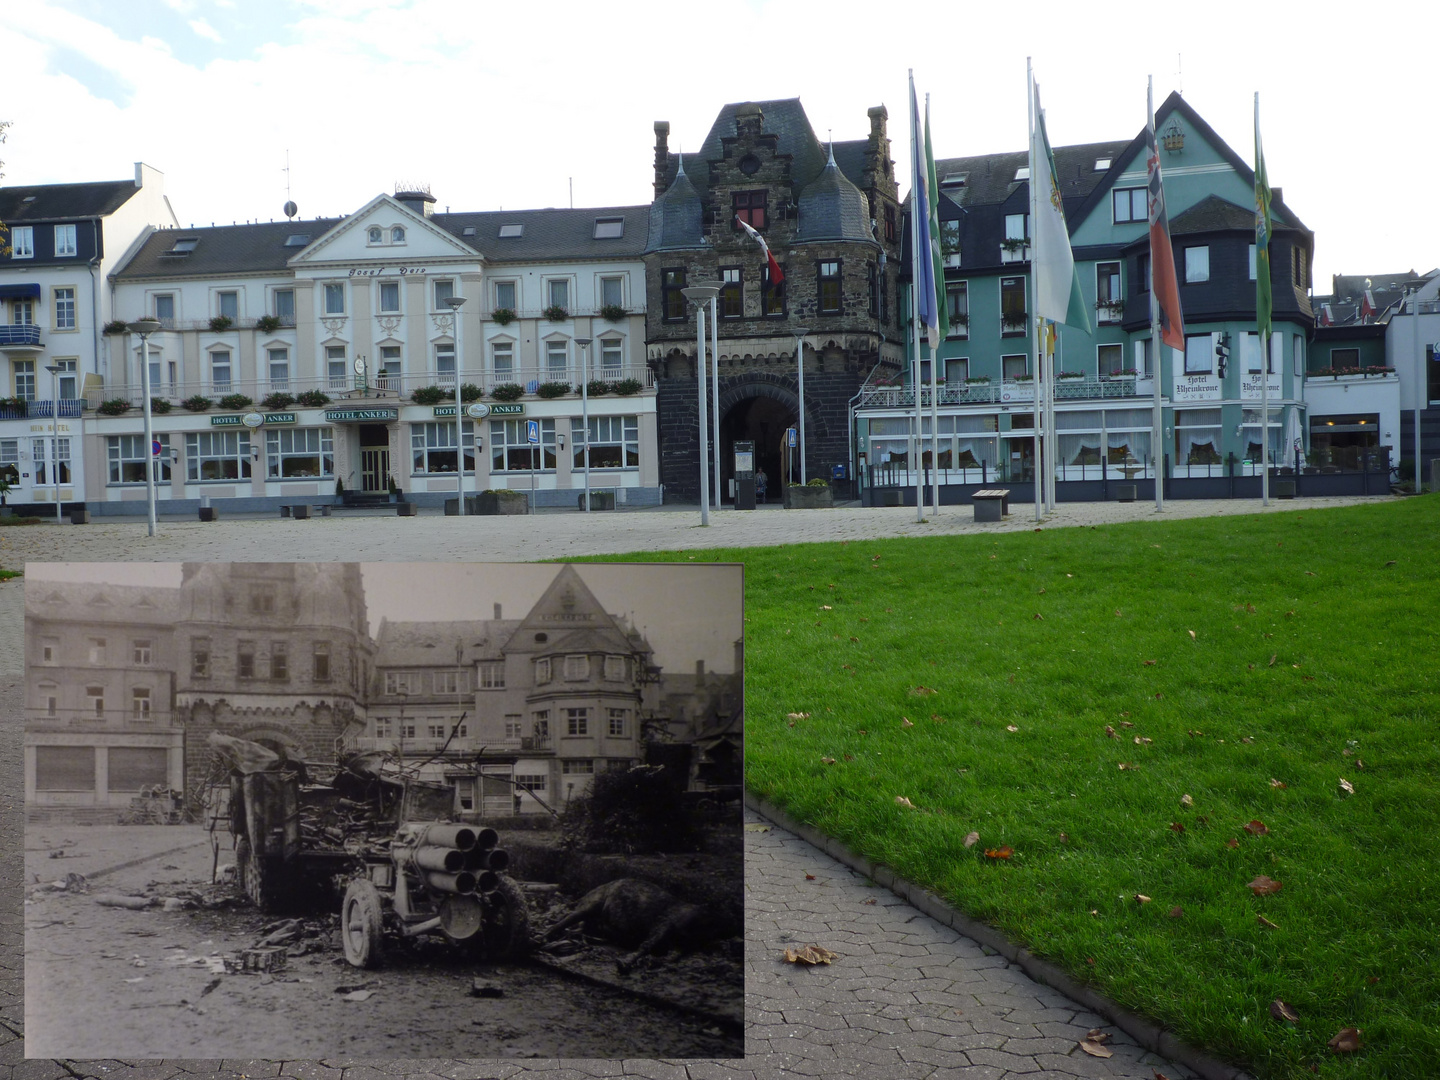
(299, 357)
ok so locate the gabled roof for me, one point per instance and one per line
(222, 249)
(55, 202)
(89, 601)
(832, 208)
(551, 233)
(990, 178)
(1214, 214)
(432, 644)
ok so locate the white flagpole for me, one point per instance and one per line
(1265, 369)
(934, 359)
(1157, 431)
(1052, 438)
(1036, 322)
(916, 162)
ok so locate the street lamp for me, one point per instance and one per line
(800, 333)
(54, 370)
(144, 328)
(456, 303)
(700, 295)
(584, 343)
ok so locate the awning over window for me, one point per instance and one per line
(18, 292)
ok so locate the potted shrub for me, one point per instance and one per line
(235, 402)
(1017, 321)
(113, 407)
(277, 400)
(812, 496)
(1114, 308)
(1069, 375)
(597, 388)
(221, 322)
(978, 379)
(313, 399)
(470, 392)
(1012, 244)
(502, 501)
(197, 403)
(509, 391)
(159, 405)
(116, 326)
(431, 395)
(502, 316)
(960, 318)
(555, 313)
(627, 387)
(268, 323)
(612, 312)
(553, 389)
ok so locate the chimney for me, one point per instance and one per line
(700, 672)
(749, 119)
(418, 199)
(497, 612)
(662, 155)
(877, 148)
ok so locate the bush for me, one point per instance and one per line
(612, 313)
(639, 810)
(313, 399)
(470, 392)
(817, 482)
(11, 519)
(116, 326)
(555, 313)
(509, 391)
(553, 389)
(221, 322)
(627, 387)
(268, 323)
(235, 402)
(198, 403)
(597, 388)
(277, 400)
(114, 407)
(431, 395)
(159, 405)
(502, 316)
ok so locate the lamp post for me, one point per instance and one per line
(700, 295)
(144, 328)
(584, 343)
(800, 335)
(714, 302)
(54, 370)
(456, 303)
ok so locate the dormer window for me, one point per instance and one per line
(375, 235)
(609, 228)
(1022, 173)
(1101, 164)
(508, 231)
(397, 235)
(952, 180)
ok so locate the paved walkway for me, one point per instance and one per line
(906, 996)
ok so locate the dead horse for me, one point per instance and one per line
(641, 916)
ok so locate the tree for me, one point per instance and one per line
(4, 232)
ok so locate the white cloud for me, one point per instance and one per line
(205, 30)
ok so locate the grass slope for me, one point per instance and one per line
(1313, 657)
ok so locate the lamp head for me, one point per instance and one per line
(144, 326)
(455, 302)
(583, 342)
(701, 294)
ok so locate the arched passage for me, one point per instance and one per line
(760, 419)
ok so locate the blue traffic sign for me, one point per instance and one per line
(155, 448)
(532, 431)
(790, 436)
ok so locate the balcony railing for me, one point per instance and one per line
(19, 335)
(459, 743)
(984, 393)
(287, 322)
(390, 389)
(69, 408)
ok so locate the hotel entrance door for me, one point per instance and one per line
(374, 458)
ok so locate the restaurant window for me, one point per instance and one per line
(300, 452)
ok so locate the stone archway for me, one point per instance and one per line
(759, 410)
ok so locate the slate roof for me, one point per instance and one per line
(432, 644)
(551, 233)
(98, 602)
(990, 178)
(222, 250)
(676, 217)
(57, 202)
(832, 208)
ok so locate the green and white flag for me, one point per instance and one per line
(937, 258)
(1057, 285)
(1264, 302)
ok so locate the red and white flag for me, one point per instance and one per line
(1327, 317)
(776, 274)
(1367, 305)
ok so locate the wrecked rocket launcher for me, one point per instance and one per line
(451, 858)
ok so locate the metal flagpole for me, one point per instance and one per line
(1157, 430)
(1052, 443)
(915, 211)
(715, 392)
(1037, 323)
(1265, 367)
(934, 365)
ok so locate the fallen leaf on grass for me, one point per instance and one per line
(1094, 1049)
(922, 691)
(1280, 1011)
(999, 853)
(1111, 732)
(1263, 885)
(849, 757)
(1347, 787)
(828, 760)
(1273, 659)
(1232, 843)
(1039, 616)
(1176, 911)
(1256, 828)
(1125, 723)
(1175, 826)
(1186, 801)
(935, 716)
(856, 640)
(1191, 633)
(1141, 740)
(1011, 727)
(1150, 663)
(901, 800)
(1064, 839)
(1041, 592)
(971, 838)
(1277, 783)
(826, 607)
(1346, 1040)
(797, 716)
(1141, 898)
(1117, 613)
(1263, 921)
(810, 954)
(905, 722)
(1371, 980)
(1124, 765)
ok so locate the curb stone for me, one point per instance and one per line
(1147, 1033)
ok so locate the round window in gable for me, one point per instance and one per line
(375, 235)
(749, 164)
(397, 235)
(542, 638)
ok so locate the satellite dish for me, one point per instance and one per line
(290, 208)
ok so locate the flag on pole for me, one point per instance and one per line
(1057, 284)
(776, 274)
(1164, 284)
(924, 265)
(937, 256)
(1367, 305)
(1263, 227)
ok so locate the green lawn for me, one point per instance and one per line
(1300, 648)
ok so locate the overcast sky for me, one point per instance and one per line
(500, 105)
(687, 613)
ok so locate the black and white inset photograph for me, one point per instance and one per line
(383, 810)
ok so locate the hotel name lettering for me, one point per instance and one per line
(376, 271)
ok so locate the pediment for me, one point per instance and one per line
(349, 241)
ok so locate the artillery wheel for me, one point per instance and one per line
(506, 931)
(361, 919)
(261, 879)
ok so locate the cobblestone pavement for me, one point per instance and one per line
(905, 997)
